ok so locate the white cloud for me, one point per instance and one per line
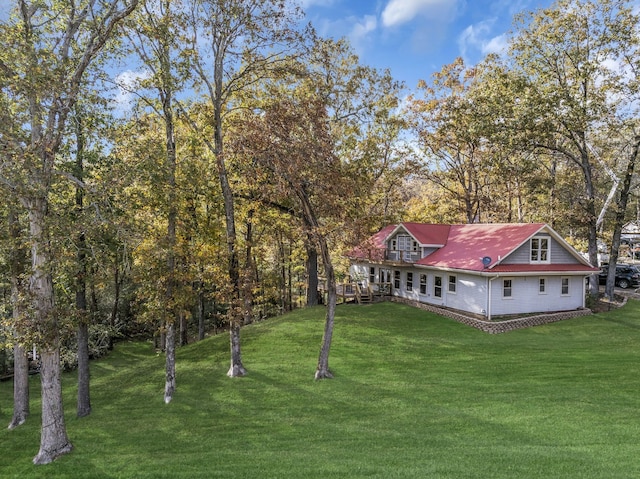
(128, 82)
(497, 44)
(310, 3)
(363, 27)
(477, 38)
(398, 12)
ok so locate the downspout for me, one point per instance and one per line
(489, 297)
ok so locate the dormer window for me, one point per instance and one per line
(540, 249)
(405, 243)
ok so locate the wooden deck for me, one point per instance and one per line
(356, 291)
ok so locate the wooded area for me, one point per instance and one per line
(174, 168)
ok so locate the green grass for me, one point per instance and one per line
(414, 395)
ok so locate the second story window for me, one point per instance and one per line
(405, 243)
(539, 249)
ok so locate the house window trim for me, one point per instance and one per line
(423, 284)
(384, 275)
(397, 283)
(453, 283)
(539, 250)
(408, 286)
(372, 274)
(404, 242)
(562, 280)
(437, 288)
(542, 285)
(506, 288)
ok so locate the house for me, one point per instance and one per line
(484, 269)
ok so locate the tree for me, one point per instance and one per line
(234, 44)
(459, 159)
(84, 395)
(620, 214)
(567, 60)
(48, 48)
(292, 150)
(153, 37)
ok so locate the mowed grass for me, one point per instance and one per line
(415, 395)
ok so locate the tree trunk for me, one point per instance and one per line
(84, 400)
(312, 275)
(20, 360)
(184, 330)
(53, 438)
(590, 208)
(170, 365)
(84, 397)
(20, 387)
(247, 284)
(619, 221)
(283, 274)
(172, 224)
(117, 283)
(236, 369)
(201, 303)
(323, 371)
(235, 310)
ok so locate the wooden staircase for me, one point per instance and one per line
(363, 294)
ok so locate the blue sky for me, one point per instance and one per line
(415, 38)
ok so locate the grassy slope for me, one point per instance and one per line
(415, 395)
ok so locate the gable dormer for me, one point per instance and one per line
(411, 242)
(539, 249)
(401, 246)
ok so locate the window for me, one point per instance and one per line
(452, 284)
(565, 286)
(372, 274)
(437, 286)
(385, 280)
(507, 288)
(396, 279)
(539, 249)
(423, 284)
(542, 285)
(409, 285)
(406, 243)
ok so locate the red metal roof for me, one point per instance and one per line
(427, 234)
(373, 248)
(465, 246)
(468, 244)
(544, 268)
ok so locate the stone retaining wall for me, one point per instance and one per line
(496, 327)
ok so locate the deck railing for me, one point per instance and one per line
(402, 256)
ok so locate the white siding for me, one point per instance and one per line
(360, 272)
(472, 291)
(558, 254)
(526, 297)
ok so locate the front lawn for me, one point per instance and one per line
(415, 395)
